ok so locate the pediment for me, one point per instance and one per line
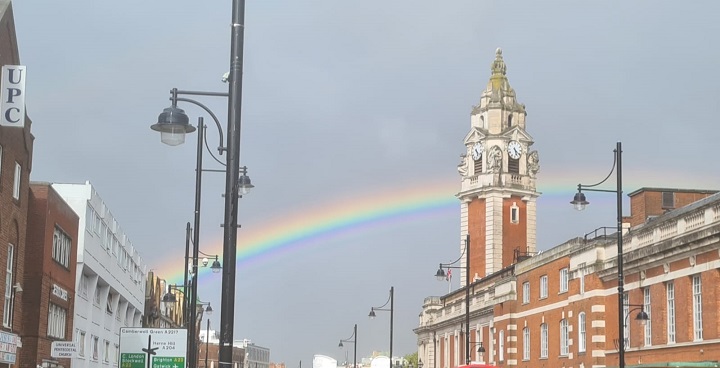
(475, 135)
(518, 134)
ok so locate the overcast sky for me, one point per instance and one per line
(355, 101)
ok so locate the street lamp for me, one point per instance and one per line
(441, 276)
(641, 317)
(173, 125)
(216, 267)
(382, 308)
(352, 339)
(580, 202)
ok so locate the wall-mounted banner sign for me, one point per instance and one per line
(12, 105)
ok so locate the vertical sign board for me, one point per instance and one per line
(153, 347)
(12, 105)
(8, 347)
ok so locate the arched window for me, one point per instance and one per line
(509, 120)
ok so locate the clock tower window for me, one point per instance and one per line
(479, 165)
(509, 121)
(513, 165)
(514, 213)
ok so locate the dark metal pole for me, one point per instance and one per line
(467, 299)
(621, 282)
(392, 301)
(355, 347)
(196, 246)
(227, 311)
(207, 342)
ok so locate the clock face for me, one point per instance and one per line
(477, 150)
(514, 149)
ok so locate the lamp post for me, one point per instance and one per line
(580, 202)
(207, 342)
(441, 275)
(382, 308)
(173, 125)
(352, 339)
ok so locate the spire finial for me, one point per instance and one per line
(498, 66)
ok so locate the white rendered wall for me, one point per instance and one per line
(114, 272)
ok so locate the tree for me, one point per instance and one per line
(412, 359)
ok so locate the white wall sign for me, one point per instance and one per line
(62, 349)
(8, 347)
(12, 105)
(153, 347)
(60, 292)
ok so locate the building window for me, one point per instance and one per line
(56, 321)
(697, 307)
(626, 312)
(670, 290)
(648, 323)
(116, 352)
(80, 343)
(106, 352)
(109, 304)
(544, 340)
(564, 338)
(97, 225)
(103, 234)
(84, 285)
(16, 181)
(543, 286)
(668, 200)
(95, 347)
(7, 306)
(61, 247)
(509, 120)
(89, 218)
(526, 292)
(514, 213)
(501, 345)
(582, 335)
(564, 280)
(526, 343)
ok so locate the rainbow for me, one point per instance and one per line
(312, 226)
(386, 207)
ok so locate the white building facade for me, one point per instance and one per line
(110, 281)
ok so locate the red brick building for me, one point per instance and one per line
(16, 146)
(559, 307)
(49, 278)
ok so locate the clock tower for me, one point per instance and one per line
(498, 172)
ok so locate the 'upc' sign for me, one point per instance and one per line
(12, 106)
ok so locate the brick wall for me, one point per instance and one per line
(43, 274)
(648, 202)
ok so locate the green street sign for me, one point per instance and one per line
(168, 362)
(132, 360)
(153, 347)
